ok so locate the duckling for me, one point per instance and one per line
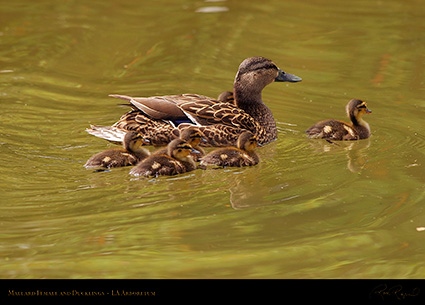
(177, 160)
(342, 131)
(193, 136)
(242, 155)
(131, 153)
(227, 97)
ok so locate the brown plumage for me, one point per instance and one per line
(131, 153)
(221, 122)
(176, 160)
(242, 155)
(341, 131)
(227, 97)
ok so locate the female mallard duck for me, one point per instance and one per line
(221, 122)
(339, 130)
(131, 153)
(242, 155)
(176, 160)
(193, 136)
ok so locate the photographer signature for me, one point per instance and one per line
(395, 291)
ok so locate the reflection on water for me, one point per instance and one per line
(310, 209)
(356, 151)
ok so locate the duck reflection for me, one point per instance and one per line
(248, 190)
(356, 151)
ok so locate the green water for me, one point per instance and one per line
(308, 210)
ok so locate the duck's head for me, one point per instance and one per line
(247, 141)
(134, 141)
(260, 71)
(356, 109)
(192, 135)
(179, 149)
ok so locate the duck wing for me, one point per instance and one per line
(156, 117)
(164, 107)
(211, 112)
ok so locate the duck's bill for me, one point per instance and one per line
(286, 77)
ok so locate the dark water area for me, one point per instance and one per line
(310, 209)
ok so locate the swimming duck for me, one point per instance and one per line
(242, 155)
(339, 130)
(176, 160)
(131, 153)
(193, 137)
(221, 122)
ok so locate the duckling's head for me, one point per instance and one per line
(179, 149)
(247, 141)
(133, 141)
(260, 71)
(356, 109)
(192, 135)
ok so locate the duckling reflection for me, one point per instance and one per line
(356, 152)
(251, 191)
(131, 153)
(357, 156)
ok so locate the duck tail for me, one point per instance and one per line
(109, 133)
(123, 97)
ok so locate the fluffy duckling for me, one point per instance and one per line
(176, 160)
(242, 155)
(131, 153)
(193, 136)
(227, 97)
(342, 131)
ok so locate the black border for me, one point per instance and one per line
(283, 291)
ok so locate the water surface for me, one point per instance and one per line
(310, 209)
